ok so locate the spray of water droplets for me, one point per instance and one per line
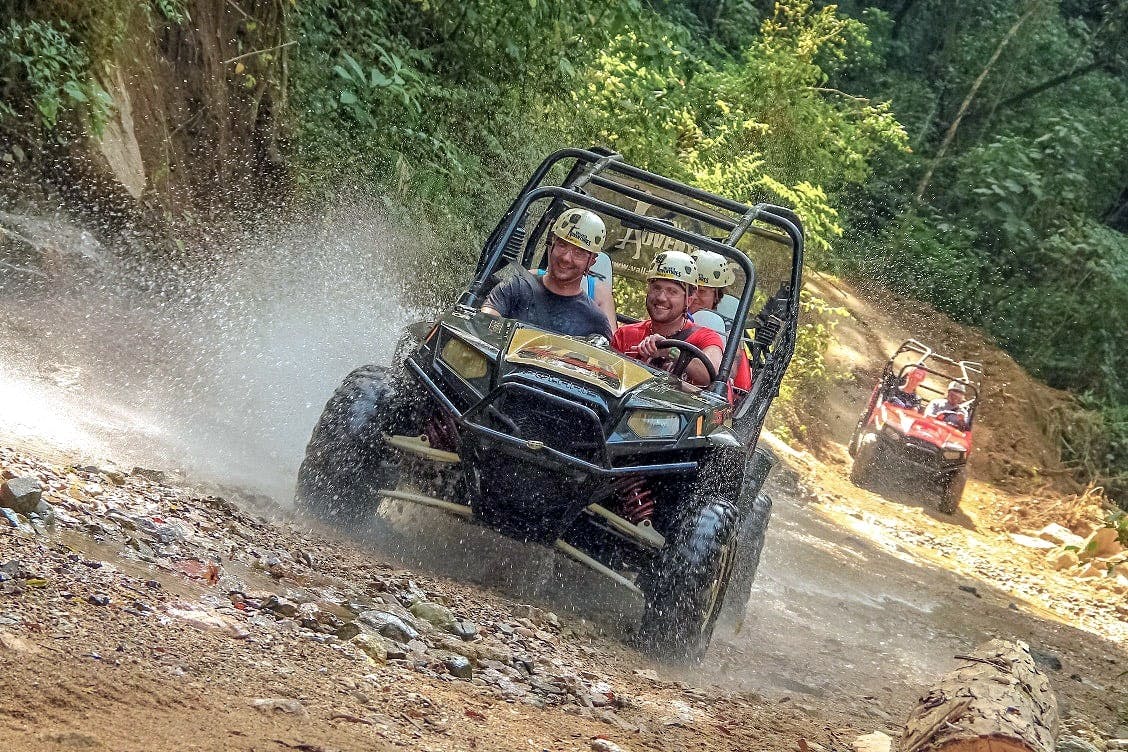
(220, 368)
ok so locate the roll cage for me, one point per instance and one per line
(947, 369)
(777, 323)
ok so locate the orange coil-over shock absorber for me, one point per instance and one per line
(636, 502)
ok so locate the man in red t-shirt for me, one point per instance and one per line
(670, 282)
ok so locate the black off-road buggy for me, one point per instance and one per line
(893, 438)
(559, 441)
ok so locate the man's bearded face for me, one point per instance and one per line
(666, 300)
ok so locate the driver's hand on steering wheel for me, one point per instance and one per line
(649, 349)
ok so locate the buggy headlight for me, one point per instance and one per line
(654, 424)
(464, 359)
(953, 451)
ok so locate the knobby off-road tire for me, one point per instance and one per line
(750, 545)
(852, 447)
(951, 491)
(686, 584)
(347, 459)
(865, 460)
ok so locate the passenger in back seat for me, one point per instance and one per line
(906, 395)
(713, 275)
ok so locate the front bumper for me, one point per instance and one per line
(918, 455)
(520, 485)
(536, 452)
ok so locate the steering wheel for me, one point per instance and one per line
(941, 415)
(686, 354)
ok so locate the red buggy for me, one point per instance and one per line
(894, 436)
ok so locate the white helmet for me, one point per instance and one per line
(581, 228)
(713, 269)
(674, 265)
(957, 386)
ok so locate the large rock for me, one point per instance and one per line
(348, 630)
(1103, 542)
(373, 646)
(21, 494)
(459, 666)
(875, 742)
(389, 625)
(436, 615)
(1061, 559)
(1032, 542)
(479, 652)
(281, 606)
(1069, 743)
(1060, 535)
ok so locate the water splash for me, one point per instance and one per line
(221, 369)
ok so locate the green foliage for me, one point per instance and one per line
(173, 11)
(1095, 440)
(51, 51)
(365, 89)
(439, 108)
(763, 126)
(1119, 521)
(43, 71)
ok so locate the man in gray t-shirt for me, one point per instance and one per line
(527, 298)
(556, 302)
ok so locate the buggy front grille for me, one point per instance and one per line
(535, 416)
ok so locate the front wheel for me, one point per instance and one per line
(686, 584)
(347, 459)
(951, 492)
(753, 532)
(865, 459)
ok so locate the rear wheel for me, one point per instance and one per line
(865, 460)
(687, 582)
(753, 532)
(951, 492)
(347, 459)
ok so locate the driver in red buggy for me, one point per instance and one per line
(670, 283)
(951, 408)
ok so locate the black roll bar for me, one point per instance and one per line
(603, 161)
(665, 203)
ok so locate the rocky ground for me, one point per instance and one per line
(135, 614)
(138, 614)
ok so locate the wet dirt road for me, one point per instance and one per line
(833, 616)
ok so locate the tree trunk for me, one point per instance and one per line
(1050, 83)
(996, 701)
(951, 134)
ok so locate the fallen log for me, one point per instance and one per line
(995, 701)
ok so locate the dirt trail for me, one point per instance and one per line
(861, 599)
(115, 635)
